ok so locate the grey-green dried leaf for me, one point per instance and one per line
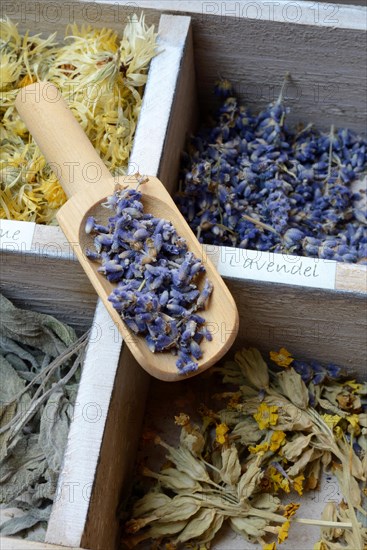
(22, 468)
(18, 524)
(302, 462)
(294, 448)
(329, 513)
(54, 429)
(174, 479)
(212, 530)
(192, 439)
(248, 432)
(265, 501)
(180, 508)
(229, 417)
(249, 481)
(231, 468)
(150, 502)
(154, 532)
(293, 387)
(34, 329)
(186, 462)
(197, 525)
(253, 367)
(253, 527)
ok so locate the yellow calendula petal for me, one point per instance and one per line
(283, 532)
(271, 546)
(282, 357)
(99, 74)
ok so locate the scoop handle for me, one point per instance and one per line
(60, 137)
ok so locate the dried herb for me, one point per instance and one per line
(273, 438)
(251, 181)
(40, 361)
(157, 291)
(106, 100)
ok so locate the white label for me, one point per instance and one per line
(16, 236)
(274, 268)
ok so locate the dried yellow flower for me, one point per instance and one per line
(101, 77)
(282, 358)
(261, 448)
(277, 440)
(266, 416)
(283, 532)
(297, 483)
(291, 509)
(271, 546)
(220, 433)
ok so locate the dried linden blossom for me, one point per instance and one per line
(274, 437)
(101, 77)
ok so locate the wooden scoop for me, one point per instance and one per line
(87, 182)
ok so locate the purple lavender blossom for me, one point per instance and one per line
(156, 278)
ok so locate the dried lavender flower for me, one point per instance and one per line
(251, 181)
(156, 276)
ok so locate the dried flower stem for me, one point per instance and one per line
(259, 223)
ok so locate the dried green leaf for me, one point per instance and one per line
(294, 448)
(247, 431)
(265, 501)
(192, 439)
(35, 329)
(212, 530)
(249, 481)
(197, 525)
(18, 524)
(249, 527)
(174, 479)
(305, 458)
(253, 367)
(231, 468)
(150, 502)
(54, 429)
(185, 461)
(180, 508)
(293, 387)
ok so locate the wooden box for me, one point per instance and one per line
(47, 278)
(327, 322)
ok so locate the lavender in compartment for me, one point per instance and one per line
(249, 181)
(156, 291)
